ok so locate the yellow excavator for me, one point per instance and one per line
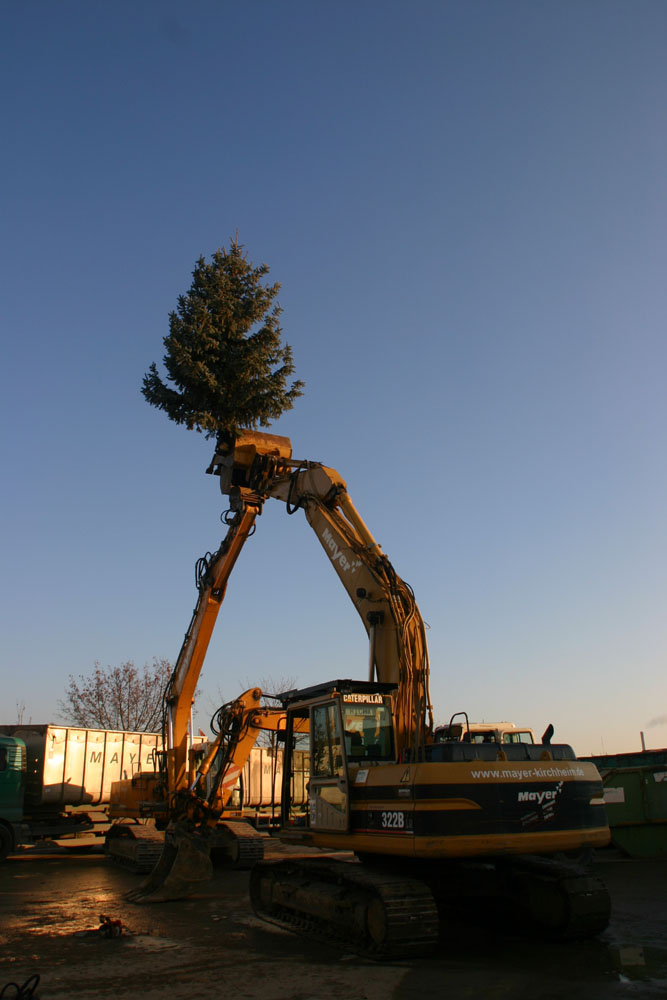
(437, 826)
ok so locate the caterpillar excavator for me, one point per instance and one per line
(436, 826)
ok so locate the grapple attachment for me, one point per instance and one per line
(185, 865)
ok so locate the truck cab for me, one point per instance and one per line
(12, 788)
(482, 732)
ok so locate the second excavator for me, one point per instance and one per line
(435, 826)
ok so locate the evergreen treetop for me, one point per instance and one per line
(224, 356)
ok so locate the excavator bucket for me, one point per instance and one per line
(185, 865)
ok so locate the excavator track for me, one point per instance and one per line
(547, 898)
(563, 901)
(137, 847)
(373, 913)
(238, 843)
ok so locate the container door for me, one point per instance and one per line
(328, 798)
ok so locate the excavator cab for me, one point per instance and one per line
(349, 723)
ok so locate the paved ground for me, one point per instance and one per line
(213, 946)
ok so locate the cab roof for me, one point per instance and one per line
(341, 686)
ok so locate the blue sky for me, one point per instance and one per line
(465, 205)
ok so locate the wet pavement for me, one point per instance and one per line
(51, 906)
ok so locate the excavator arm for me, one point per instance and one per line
(260, 465)
(257, 467)
(212, 576)
(238, 725)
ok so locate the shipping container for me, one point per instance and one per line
(55, 781)
(635, 794)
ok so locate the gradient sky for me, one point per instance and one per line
(465, 205)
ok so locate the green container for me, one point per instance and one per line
(635, 792)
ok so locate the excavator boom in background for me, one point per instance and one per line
(438, 823)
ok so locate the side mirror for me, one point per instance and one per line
(547, 735)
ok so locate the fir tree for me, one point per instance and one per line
(225, 359)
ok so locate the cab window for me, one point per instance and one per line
(327, 751)
(369, 732)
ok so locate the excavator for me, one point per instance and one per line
(195, 792)
(429, 827)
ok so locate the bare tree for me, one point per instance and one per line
(271, 692)
(122, 697)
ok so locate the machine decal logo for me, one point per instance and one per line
(545, 802)
(337, 555)
(540, 797)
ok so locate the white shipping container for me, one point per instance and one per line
(72, 766)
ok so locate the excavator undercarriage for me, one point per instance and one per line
(372, 912)
(398, 910)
